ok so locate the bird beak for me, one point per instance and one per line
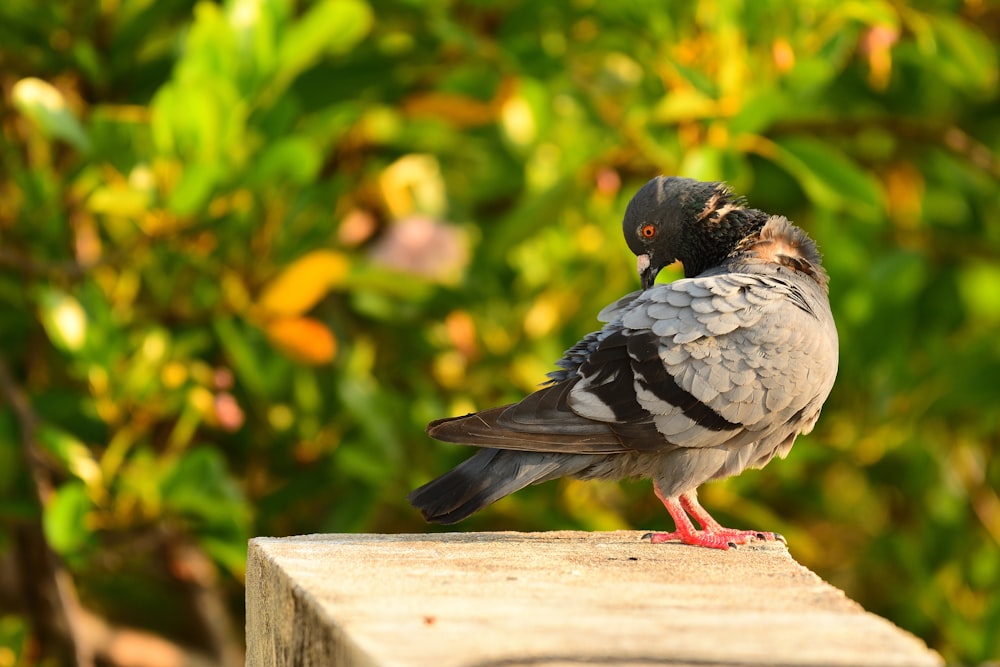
(647, 273)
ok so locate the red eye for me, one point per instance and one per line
(647, 231)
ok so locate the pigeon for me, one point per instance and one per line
(686, 382)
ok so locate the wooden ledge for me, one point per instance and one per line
(559, 598)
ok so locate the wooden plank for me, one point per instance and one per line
(558, 598)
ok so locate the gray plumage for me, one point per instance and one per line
(686, 382)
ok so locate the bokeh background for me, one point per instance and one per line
(248, 249)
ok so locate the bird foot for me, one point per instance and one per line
(723, 538)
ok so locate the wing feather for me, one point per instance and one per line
(701, 362)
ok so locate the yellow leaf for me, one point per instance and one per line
(518, 121)
(685, 105)
(413, 184)
(64, 319)
(303, 283)
(303, 339)
(119, 201)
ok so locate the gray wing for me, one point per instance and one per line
(579, 353)
(702, 362)
(724, 359)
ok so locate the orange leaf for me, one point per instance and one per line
(303, 283)
(460, 110)
(303, 339)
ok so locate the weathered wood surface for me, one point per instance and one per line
(560, 598)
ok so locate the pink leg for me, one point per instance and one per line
(711, 535)
(691, 505)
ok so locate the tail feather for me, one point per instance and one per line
(484, 478)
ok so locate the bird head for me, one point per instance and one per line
(673, 218)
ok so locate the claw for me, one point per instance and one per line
(698, 538)
(712, 534)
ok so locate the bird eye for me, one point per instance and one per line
(647, 231)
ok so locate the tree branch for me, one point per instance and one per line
(46, 586)
(198, 578)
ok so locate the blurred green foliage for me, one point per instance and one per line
(249, 249)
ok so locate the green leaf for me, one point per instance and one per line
(65, 518)
(965, 55)
(45, 105)
(810, 77)
(869, 12)
(759, 112)
(979, 286)
(899, 276)
(231, 553)
(295, 159)
(199, 487)
(703, 163)
(361, 463)
(211, 49)
(256, 26)
(829, 178)
(243, 356)
(202, 121)
(75, 457)
(196, 186)
(330, 26)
